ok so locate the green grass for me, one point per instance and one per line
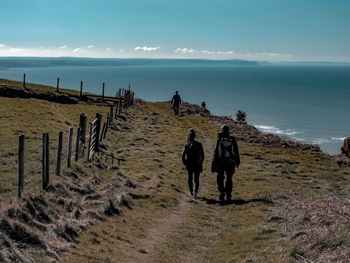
(32, 117)
(166, 225)
(169, 227)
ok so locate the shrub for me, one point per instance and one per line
(241, 117)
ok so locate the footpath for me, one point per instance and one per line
(164, 224)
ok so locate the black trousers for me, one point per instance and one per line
(225, 188)
(176, 108)
(190, 181)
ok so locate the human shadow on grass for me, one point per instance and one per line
(212, 201)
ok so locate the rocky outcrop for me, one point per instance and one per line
(245, 132)
(345, 149)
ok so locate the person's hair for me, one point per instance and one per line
(191, 135)
(225, 128)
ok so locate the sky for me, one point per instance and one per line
(263, 30)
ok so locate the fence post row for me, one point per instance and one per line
(59, 154)
(20, 165)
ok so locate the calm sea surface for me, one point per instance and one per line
(305, 102)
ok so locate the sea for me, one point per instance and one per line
(306, 102)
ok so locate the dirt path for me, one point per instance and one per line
(167, 225)
(175, 223)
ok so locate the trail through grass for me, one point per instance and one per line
(166, 225)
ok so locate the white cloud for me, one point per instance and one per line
(146, 48)
(108, 49)
(15, 50)
(77, 50)
(230, 54)
(2, 45)
(90, 46)
(62, 47)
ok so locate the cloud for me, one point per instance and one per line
(230, 54)
(90, 46)
(146, 48)
(108, 49)
(62, 47)
(2, 45)
(15, 50)
(77, 50)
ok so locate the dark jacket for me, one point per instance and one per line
(226, 151)
(193, 156)
(176, 99)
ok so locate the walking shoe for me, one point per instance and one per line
(195, 196)
(222, 197)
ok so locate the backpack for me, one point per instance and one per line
(226, 148)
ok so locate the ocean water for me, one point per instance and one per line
(305, 102)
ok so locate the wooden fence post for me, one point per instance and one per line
(47, 175)
(82, 136)
(43, 160)
(24, 80)
(111, 115)
(98, 128)
(58, 85)
(81, 88)
(77, 145)
(103, 131)
(20, 165)
(103, 91)
(59, 154)
(89, 147)
(69, 150)
(120, 106)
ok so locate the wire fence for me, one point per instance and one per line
(27, 164)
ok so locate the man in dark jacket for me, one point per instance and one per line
(176, 101)
(226, 159)
(192, 158)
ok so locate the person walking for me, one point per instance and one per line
(176, 101)
(192, 158)
(225, 160)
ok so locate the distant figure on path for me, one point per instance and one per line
(176, 101)
(192, 158)
(225, 160)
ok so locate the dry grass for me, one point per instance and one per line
(32, 117)
(161, 223)
(317, 229)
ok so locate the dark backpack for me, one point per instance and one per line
(226, 148)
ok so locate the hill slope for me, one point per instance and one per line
(289, 204)
(166, 225)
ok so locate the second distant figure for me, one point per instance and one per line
(192, 158)
(175, 102)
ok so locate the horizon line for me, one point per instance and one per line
(171, 58)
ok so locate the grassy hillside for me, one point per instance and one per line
(281, 198)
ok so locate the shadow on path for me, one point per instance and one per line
(236, 201)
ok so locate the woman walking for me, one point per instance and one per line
(192, 158)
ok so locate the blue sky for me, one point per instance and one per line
(272, 30)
